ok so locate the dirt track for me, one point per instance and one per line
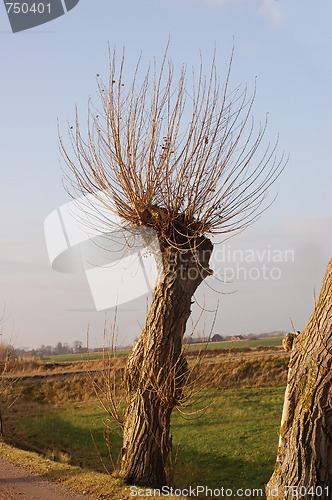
(17, 484)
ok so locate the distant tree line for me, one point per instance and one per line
(48, 350)
(77, 346)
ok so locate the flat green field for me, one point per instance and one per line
(69, 358)
(232, 444)
(266, 342)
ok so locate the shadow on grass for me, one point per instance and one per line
(216, 470)
(232, 445)
(63, 436)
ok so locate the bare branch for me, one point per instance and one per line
(184, 173)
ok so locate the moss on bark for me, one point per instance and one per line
(304, 457)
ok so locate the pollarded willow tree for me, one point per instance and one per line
(187, 162)
(304, 463)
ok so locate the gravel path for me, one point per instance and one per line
(17, 484)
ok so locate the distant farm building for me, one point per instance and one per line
(217, 338)
(220, 338)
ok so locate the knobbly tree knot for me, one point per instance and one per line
(288, 340)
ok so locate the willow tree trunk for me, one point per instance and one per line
(304, 462)
(156, 368)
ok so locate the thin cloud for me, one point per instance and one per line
(271, 11)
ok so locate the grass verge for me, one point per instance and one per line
(233, 443)
(89, 482)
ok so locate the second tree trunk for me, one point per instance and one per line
(304, 461)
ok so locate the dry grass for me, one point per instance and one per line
(220, 368)
(88, 482)
(243, 372)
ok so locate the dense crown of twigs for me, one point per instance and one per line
(187, 163)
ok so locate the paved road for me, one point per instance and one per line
(17, 484)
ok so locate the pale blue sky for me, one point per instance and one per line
(47, 70)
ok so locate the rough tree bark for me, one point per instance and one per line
(156, 368)
(304, 460)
